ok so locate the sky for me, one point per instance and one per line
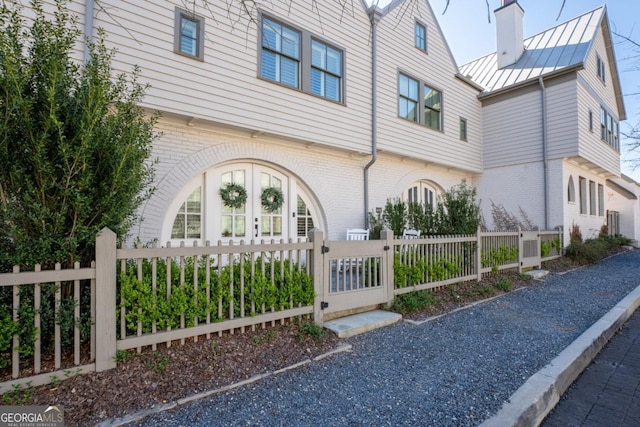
(469, 35)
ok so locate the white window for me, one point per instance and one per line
(187, 223)
(583, 195)
(600, 200)
(421, 36)
(423, 193)
(571, 191)
(592, 198)
(189, 34)
(198, 212)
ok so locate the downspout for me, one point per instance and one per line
(375, 16)
(88, 29)
(545, 160)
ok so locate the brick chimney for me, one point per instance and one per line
(509, 32)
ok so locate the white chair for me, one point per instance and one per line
(353, 234)
(357, 234)
(411, 234)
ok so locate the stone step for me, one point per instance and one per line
(355, 324)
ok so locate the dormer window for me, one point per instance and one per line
(601, 69)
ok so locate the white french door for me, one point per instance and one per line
(252, 220)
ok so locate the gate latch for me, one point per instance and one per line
(323, 305)
(325, 249)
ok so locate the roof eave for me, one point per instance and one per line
(534, 80)
(470, 82)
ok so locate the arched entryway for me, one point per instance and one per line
(198, 213)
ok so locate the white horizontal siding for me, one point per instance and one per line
(562, 119)
(592, 147)
(225, 87)
(513, 129)
(396, 53)
(604, 90)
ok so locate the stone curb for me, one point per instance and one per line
(137, 416)
(531, 403)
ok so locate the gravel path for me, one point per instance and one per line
(454, 371)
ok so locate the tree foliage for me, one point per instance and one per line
(456, 212)
(74, 142)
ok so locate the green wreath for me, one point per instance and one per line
(272, 199)
(233, 195)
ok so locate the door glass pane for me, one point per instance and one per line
(266, 226)
(240, 226)
(193, 226)
(277, 226)
(177, 231)
(225, 227)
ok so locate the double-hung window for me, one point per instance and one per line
(298, 59)
(601, 69)
(419, 102)
(326, 70)
(609, 129)
(189, 34)
(421, 36)
(280, 53)
(408, 100)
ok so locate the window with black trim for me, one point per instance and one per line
(296, 58)
(609, 129)
(280, 60)
(420, 36)
(419, 102)
(601, 69)
(189, 34)
(463, 129)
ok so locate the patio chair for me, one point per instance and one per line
(411, 234)
(354, 234)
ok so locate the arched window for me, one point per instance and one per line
(571, 191)
(422, 192)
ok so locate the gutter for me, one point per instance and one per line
(375, 15)
(88, 29)
(545, 159)
(531, 81)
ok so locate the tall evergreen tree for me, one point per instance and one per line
(74, 142)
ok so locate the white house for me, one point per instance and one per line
(342, 108)
(551, 108)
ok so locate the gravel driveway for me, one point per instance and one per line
(453, 371)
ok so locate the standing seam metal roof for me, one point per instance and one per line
(557, 48)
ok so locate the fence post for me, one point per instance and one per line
(479, 254)
(387, 265)
(520, 249)
(106, 300)
(316, 269)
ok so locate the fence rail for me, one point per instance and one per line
(151, 296)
